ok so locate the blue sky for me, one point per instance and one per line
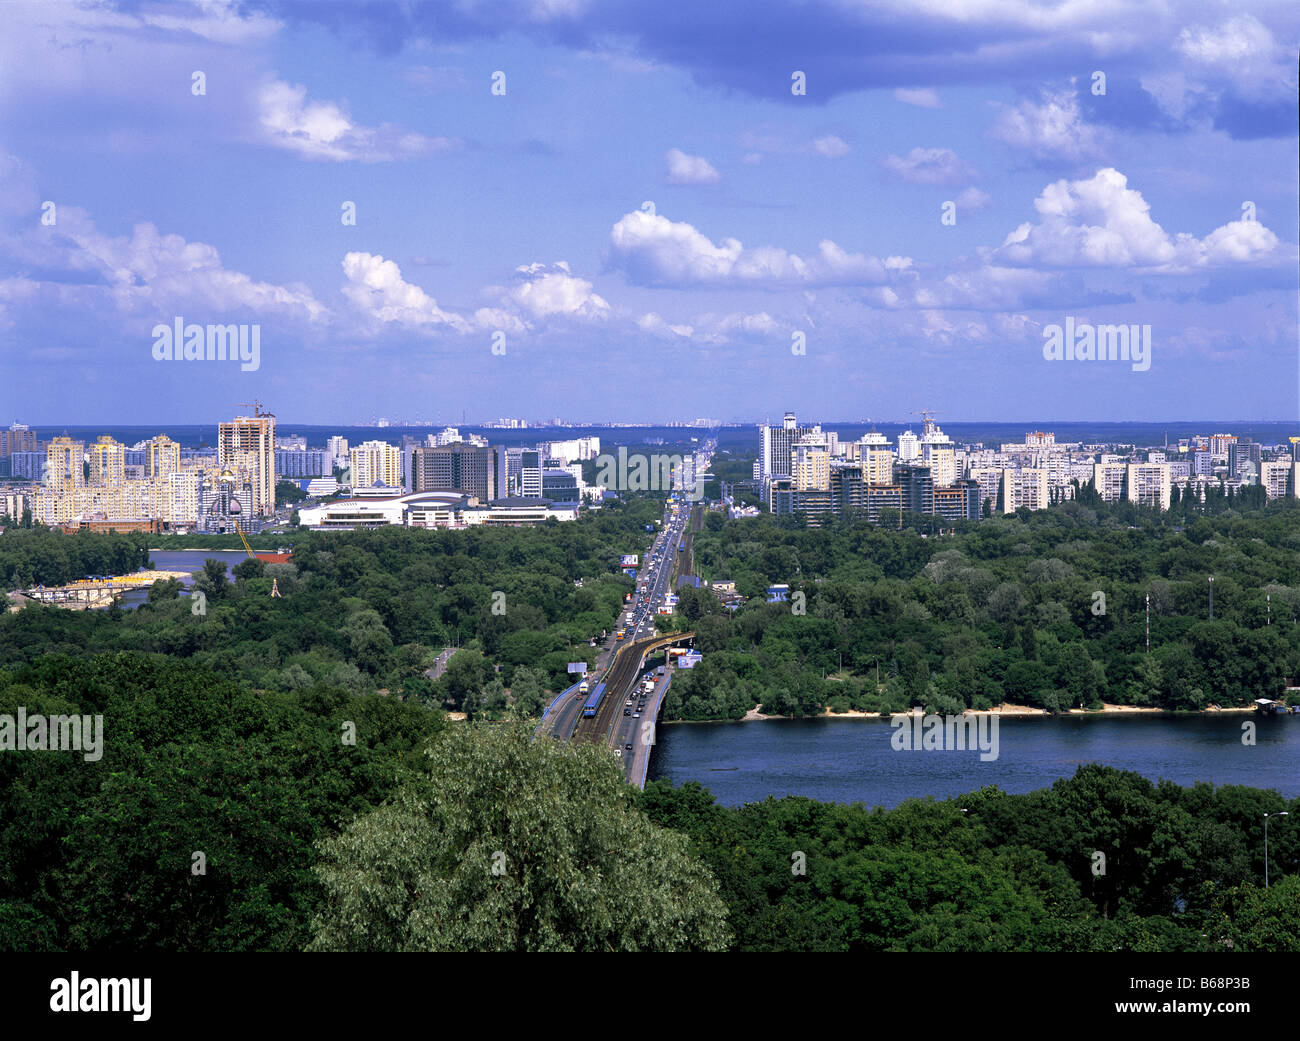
(649, 213)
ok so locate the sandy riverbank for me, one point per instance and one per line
(998, 710)
(139, 580)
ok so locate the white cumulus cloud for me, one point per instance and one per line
(545, 291)
(322, 130)
(690, 169)
(376, 288)
(653, 250)
(1102, 222)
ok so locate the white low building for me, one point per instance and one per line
(428, 510)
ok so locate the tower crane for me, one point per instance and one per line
(925, 414)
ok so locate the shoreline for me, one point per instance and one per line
(1008, 710)
(237, 549)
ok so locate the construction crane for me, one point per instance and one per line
(925, 414)
(247, 548)
(256, 406)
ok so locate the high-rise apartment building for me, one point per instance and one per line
(1149, 484)
(777, 445)
(1109, 479)
(65, 465)
(1219, 445)
(937, 452)
(575, 450)
(302, 462)
(810, 468)
(18, 438)
(162, 456)
(877, 459)
(337, 447)
(523, 473)
(1242, 453)
(107, 463)
(247, 445)
(1027, 488)
(959, 501)
(916, 484)
(989, 479)
(376, 462)
(1275, 476)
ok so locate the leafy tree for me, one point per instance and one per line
(526, 690)
(211, 581)
(514, 844)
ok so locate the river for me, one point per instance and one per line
(188, 561)
(852, 760)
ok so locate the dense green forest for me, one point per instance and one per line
(361, 611)
(1045, 609)
(225, 819)
(990, 871)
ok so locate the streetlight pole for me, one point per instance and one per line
(1283, 813)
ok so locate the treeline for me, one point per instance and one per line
(1045, 609)
(42, 556)
(1104, 861)
(371, 610)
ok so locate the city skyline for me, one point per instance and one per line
(424, 216)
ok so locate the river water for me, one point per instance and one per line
(852, 760)
(188, 561)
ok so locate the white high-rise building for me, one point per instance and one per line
(1026, 488)
(775, 454)
(1275, 477)
(1108, 478)
(909, 448)
(376, 462)
(877, 459)
(338, 452)
(1149, 485)
(938, 454)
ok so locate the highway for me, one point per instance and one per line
(626, 717)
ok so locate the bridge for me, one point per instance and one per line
(564, 721)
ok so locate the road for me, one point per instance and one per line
(440, 663)
(626, 718)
